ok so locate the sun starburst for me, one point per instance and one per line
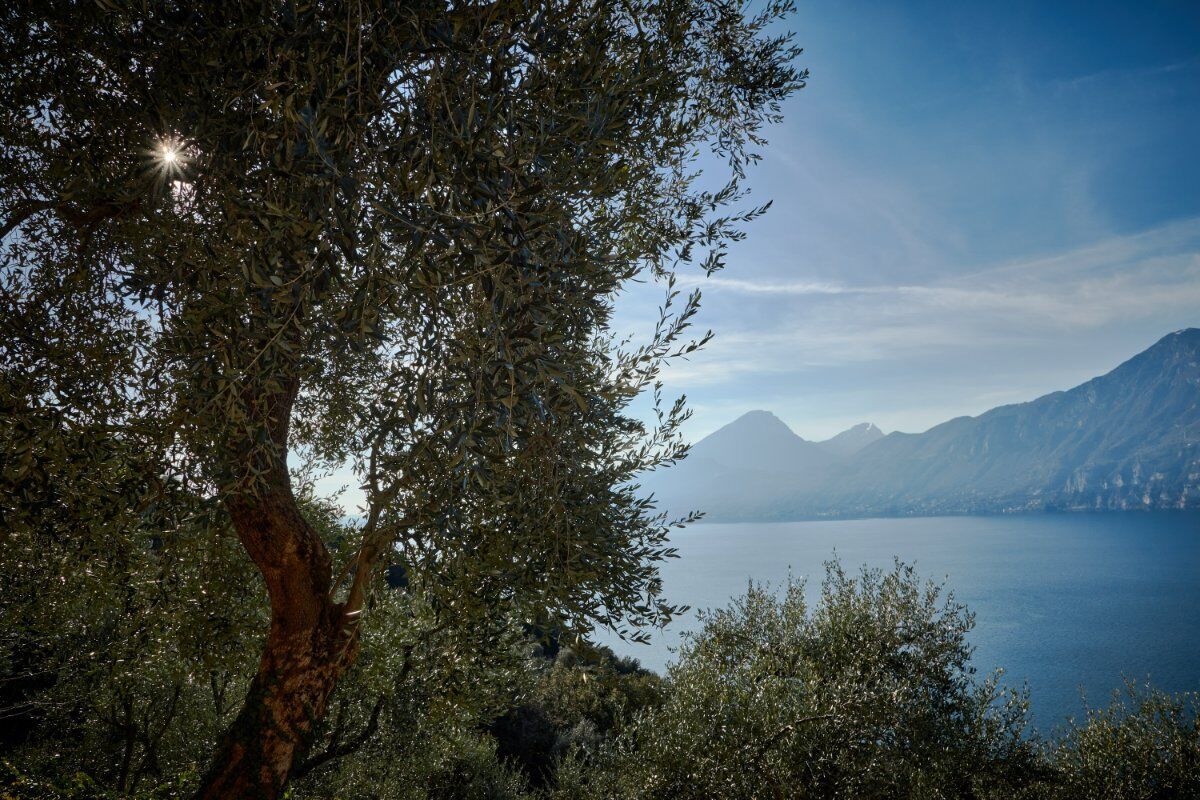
(168, 159)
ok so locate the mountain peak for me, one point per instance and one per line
(1174, 355)
(851, 440)
(759, 419)
(756, 425)
(1184, 337)
(758, 440)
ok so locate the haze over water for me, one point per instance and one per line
(1063, 602)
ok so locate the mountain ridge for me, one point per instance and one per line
(1127, 439)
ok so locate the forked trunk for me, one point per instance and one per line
(309, 645)
(307, 649)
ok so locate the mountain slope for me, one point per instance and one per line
(1128, 439)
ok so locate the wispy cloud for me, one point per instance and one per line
(1142, 265)
(1144, 276)
(763, 287)
(1109, 76)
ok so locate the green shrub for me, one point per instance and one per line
(581, 697)
(18, 785)
(1144, 746)
(871, 694)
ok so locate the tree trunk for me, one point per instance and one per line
(310, 642)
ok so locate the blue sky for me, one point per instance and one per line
(974, 204)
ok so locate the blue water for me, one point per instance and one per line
(1066, 603)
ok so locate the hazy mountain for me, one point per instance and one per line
(742, 468)
(849, 442)
(759, 440)
(1128, 439)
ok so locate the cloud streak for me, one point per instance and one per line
(1162, 257)
(1153, 275)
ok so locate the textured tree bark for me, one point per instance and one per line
(309, 645)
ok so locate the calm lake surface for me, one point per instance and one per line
(1066, 603)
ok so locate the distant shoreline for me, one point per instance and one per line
(1106, 512)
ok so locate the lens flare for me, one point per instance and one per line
(169, 155)
(169, 162)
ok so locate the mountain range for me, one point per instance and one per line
(1129, 439)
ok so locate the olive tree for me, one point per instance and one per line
(389, 235)
(869, 694)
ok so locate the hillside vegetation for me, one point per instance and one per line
(869, 694)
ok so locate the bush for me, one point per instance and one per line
(869, 695)
(1145, 745)
(581, 697)
(18, 785)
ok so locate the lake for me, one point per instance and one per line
(1064, 602)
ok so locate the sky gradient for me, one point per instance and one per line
(974, 204)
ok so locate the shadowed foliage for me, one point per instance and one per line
(389, 235)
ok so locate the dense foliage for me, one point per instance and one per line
(869, 694)
(389, 235)
(1144, 745)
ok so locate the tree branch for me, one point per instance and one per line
(21, 212)
(774, 738)
(338, 750)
